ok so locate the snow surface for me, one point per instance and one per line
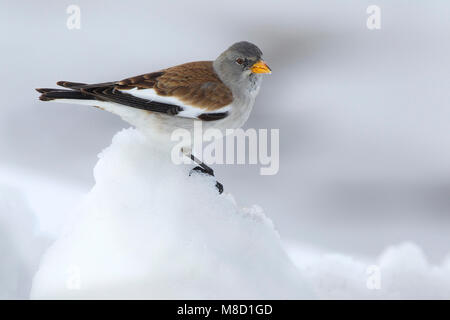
(20, 245)
(148, 230)
(400, 272)
(47, 198)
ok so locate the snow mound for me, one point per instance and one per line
(20, 246)
(400, 272)
(147, 230)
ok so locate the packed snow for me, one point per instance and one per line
(400, 272)
(20, 245)
(149, 231)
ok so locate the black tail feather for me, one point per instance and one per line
(52, 94)
(78, 85)
(69, 84)
(44, 90)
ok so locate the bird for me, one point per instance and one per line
(219, 93)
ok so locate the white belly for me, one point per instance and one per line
(161, 126)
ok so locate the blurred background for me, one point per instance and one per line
(364, 115)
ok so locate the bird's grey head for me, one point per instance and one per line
(241, 65)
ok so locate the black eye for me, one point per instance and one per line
(239, 61)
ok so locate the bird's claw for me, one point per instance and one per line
(209, 172)
(219, 187)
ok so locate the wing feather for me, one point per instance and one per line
(191, 90)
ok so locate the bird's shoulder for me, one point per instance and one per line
(193, 83)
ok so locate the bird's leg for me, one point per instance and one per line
(202, 167)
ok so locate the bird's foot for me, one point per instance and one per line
(209, 172)
(204, 170)
(219, 187)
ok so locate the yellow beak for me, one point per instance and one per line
(261, 67)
